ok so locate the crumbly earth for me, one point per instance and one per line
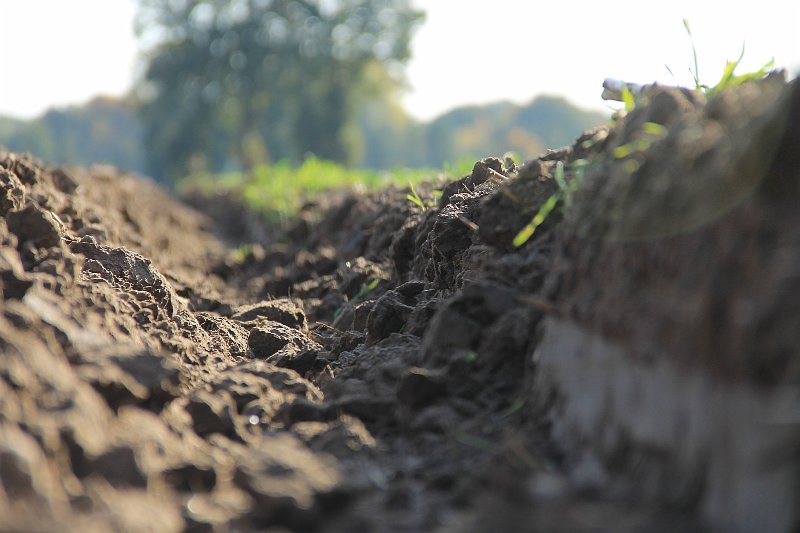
(380, 367)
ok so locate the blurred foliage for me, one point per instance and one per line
(493, 129)
(234, 85)
(105, 130)
(231, 84)
(278, 191)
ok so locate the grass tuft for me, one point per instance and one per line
(568, 185)
(729, 77)
(278, 191)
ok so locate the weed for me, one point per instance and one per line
(567, 187)
(359, 296)
(696, 71)
(241, 253)
(518, 404)
(569, 184)
(415, 198)
(628, 99)
(365, 290)
(650, 132)
(629, 93)
(654, 128)
(729, 77)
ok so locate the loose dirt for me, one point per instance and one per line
(380, 367)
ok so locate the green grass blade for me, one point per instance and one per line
(696, 73)
(623, 151)
(741, 54)
(416, 201)
(560, 178)
(627, 99)
(729, 79)
(415, 198)
(524, 235)
(727, 76)
(527, 232)
(760, 73)
(654, 128)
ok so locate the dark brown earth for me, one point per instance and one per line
(377, 367)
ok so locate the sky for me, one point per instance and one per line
(59, 52)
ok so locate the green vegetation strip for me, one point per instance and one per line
(279, 191)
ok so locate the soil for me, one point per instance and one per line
(380, 367)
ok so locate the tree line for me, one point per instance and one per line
(109, 130)
(232, 84)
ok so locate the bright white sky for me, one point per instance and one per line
(58, 52)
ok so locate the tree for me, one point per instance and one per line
(230, 83)
(103, 130)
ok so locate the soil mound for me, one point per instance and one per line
(384, 367)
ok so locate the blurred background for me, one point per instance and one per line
(171, 88)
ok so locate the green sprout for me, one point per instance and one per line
(527, 232)
(360, 295)
(365, 289)
(696, 71)
(654, 128)
(729, 77)
(567, 187)
(417, 200)
(241, 253)
(628, 99)
(651, 130)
